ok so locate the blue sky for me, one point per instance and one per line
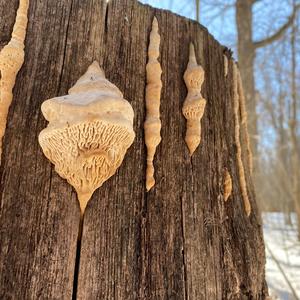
(219, 23)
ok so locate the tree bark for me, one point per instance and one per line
(180, 240)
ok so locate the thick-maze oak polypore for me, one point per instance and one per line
(227, 185)
(236, 108)
(194, 104)
(152, 125)
(89, 132)
(11, 61)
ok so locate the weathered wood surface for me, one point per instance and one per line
(39, 214)
(180, 240)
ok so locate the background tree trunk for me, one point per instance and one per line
(246, 56)
(293, 124)
(180, 240)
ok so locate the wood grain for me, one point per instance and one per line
(179, 241)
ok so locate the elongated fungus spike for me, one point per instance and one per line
(194, 104)
(236, 105)
(192, 56)
(227, 186)
(83, 201)
(89, 132)
(225, 65)
(155, 24)
(244, 119)
(11, 61)
(152, 125)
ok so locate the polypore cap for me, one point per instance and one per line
(89, 132)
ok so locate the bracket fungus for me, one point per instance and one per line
(89, 132)
(11, 61)
(194, 104)
(152, 125)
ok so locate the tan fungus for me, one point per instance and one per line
(225, 65)
(244, 120)
(89, 132)
(152, 125)
(194, 104)
(238, 143)
(11, 61)
(227, 186)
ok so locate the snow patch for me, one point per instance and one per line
(281, 239)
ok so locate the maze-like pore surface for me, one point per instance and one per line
(87, 154)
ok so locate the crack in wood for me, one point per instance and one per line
(77, 261)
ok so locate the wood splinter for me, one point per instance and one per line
(194, 104)
(152, 125)
(11, 61)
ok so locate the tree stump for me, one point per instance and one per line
(181, 240)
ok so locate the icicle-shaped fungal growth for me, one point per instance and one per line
(244, 120)
(225, 65)
(11, 61)
(227, 186)
(152, 124)
(89, 132)
(194, 104)
(237, 141)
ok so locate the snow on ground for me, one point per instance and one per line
(281, 240)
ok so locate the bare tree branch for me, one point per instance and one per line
(282, 272)
(197, 10)
(280, 32)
